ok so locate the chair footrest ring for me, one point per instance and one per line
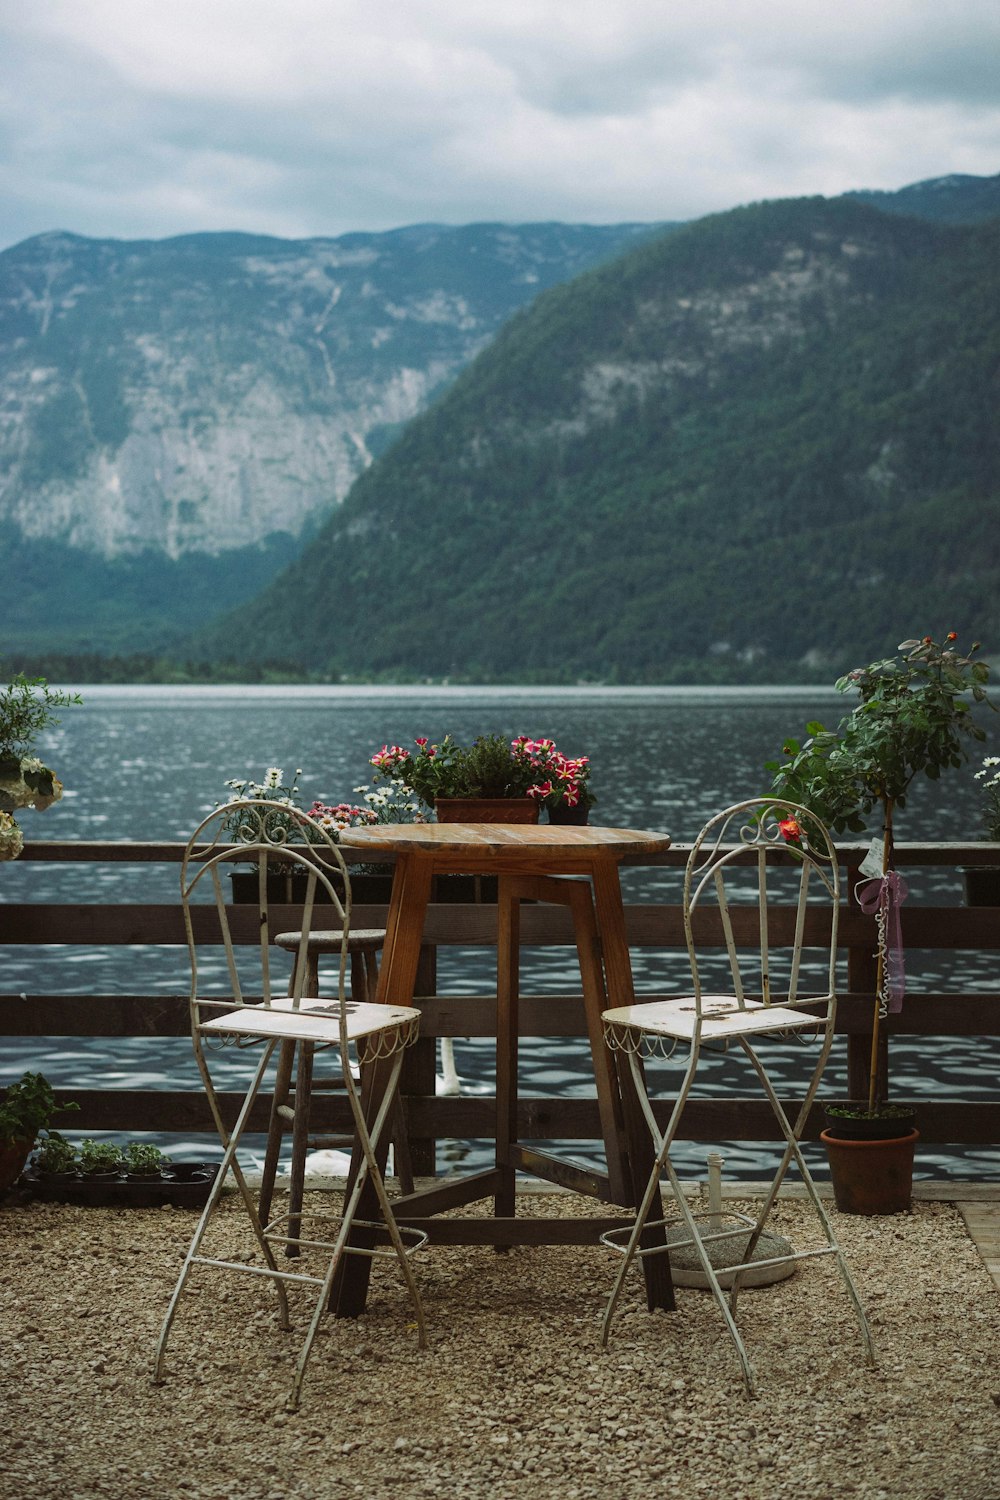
(611, 1237)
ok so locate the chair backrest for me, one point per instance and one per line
(294, 861)
(762, 884)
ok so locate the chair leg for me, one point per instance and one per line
(228, 1163)
(276, 1128)
(300, 1144)
(663, 1164)
(367, 1174)
(793, 1150)
(364, 984)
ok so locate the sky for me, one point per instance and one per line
(139, 119)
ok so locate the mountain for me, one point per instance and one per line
(761, 445)
(175, 416)
(957, 199)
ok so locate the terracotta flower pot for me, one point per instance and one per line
(486, 809)
(871, 1177)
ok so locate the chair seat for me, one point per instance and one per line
(721, 1017)
(325, 940)
(314, 1020)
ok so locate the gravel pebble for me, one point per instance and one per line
(515, 1398)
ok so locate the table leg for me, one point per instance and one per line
(411, 889)
(508, 993)
(621, 991)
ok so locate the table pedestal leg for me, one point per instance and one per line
(508, 994)
(618, 973)
(411, 891)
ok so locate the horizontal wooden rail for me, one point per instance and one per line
(955, 1014)
(471, 1117)
(648, 926)
(653, 927)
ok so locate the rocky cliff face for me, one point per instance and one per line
(202, 394)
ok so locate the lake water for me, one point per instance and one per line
(145, 763)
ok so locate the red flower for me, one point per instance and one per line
(789, 829)
(951, 636)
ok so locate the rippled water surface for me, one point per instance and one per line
(145, 763)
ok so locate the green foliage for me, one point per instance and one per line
(54, 1153)
(680, 467)
(27, 706)
(138, 1157)
(489, 767)
(27, 1107)
(100, 1156)
(913, 717)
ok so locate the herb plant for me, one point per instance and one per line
(27, 1107)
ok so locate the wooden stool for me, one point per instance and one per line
(296, 1058)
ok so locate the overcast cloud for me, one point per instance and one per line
(147, 118)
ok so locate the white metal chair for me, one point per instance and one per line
(226, 1011)
(767, 988)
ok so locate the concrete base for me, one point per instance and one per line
(685, 1266)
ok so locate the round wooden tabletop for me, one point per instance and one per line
(504, 838)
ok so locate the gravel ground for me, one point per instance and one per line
(515, 1397)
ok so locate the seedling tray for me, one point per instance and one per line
(187, 1185)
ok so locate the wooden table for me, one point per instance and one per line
(532, 863)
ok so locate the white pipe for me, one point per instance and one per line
(715, 1164)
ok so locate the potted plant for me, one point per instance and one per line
(392, 803)
(55, 1157)
(562, 785)
(913, 717)
(982, 882)
(26, 1108)
(493, 780)
(27, 707)
(143, 1162)
(485, 782)
(101, 1159)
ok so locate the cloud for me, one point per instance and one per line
(301, 117)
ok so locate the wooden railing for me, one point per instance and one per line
(655, 925)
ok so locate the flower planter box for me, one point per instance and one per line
(184, 1186)
(366, 889)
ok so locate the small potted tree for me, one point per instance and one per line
(25, 1108)
(913, 717)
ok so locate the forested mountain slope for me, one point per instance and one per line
(762, 445)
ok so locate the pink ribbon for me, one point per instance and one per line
(882, 898)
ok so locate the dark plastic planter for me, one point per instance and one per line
(366, 889)
(864, 1127)
(184, 1186)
